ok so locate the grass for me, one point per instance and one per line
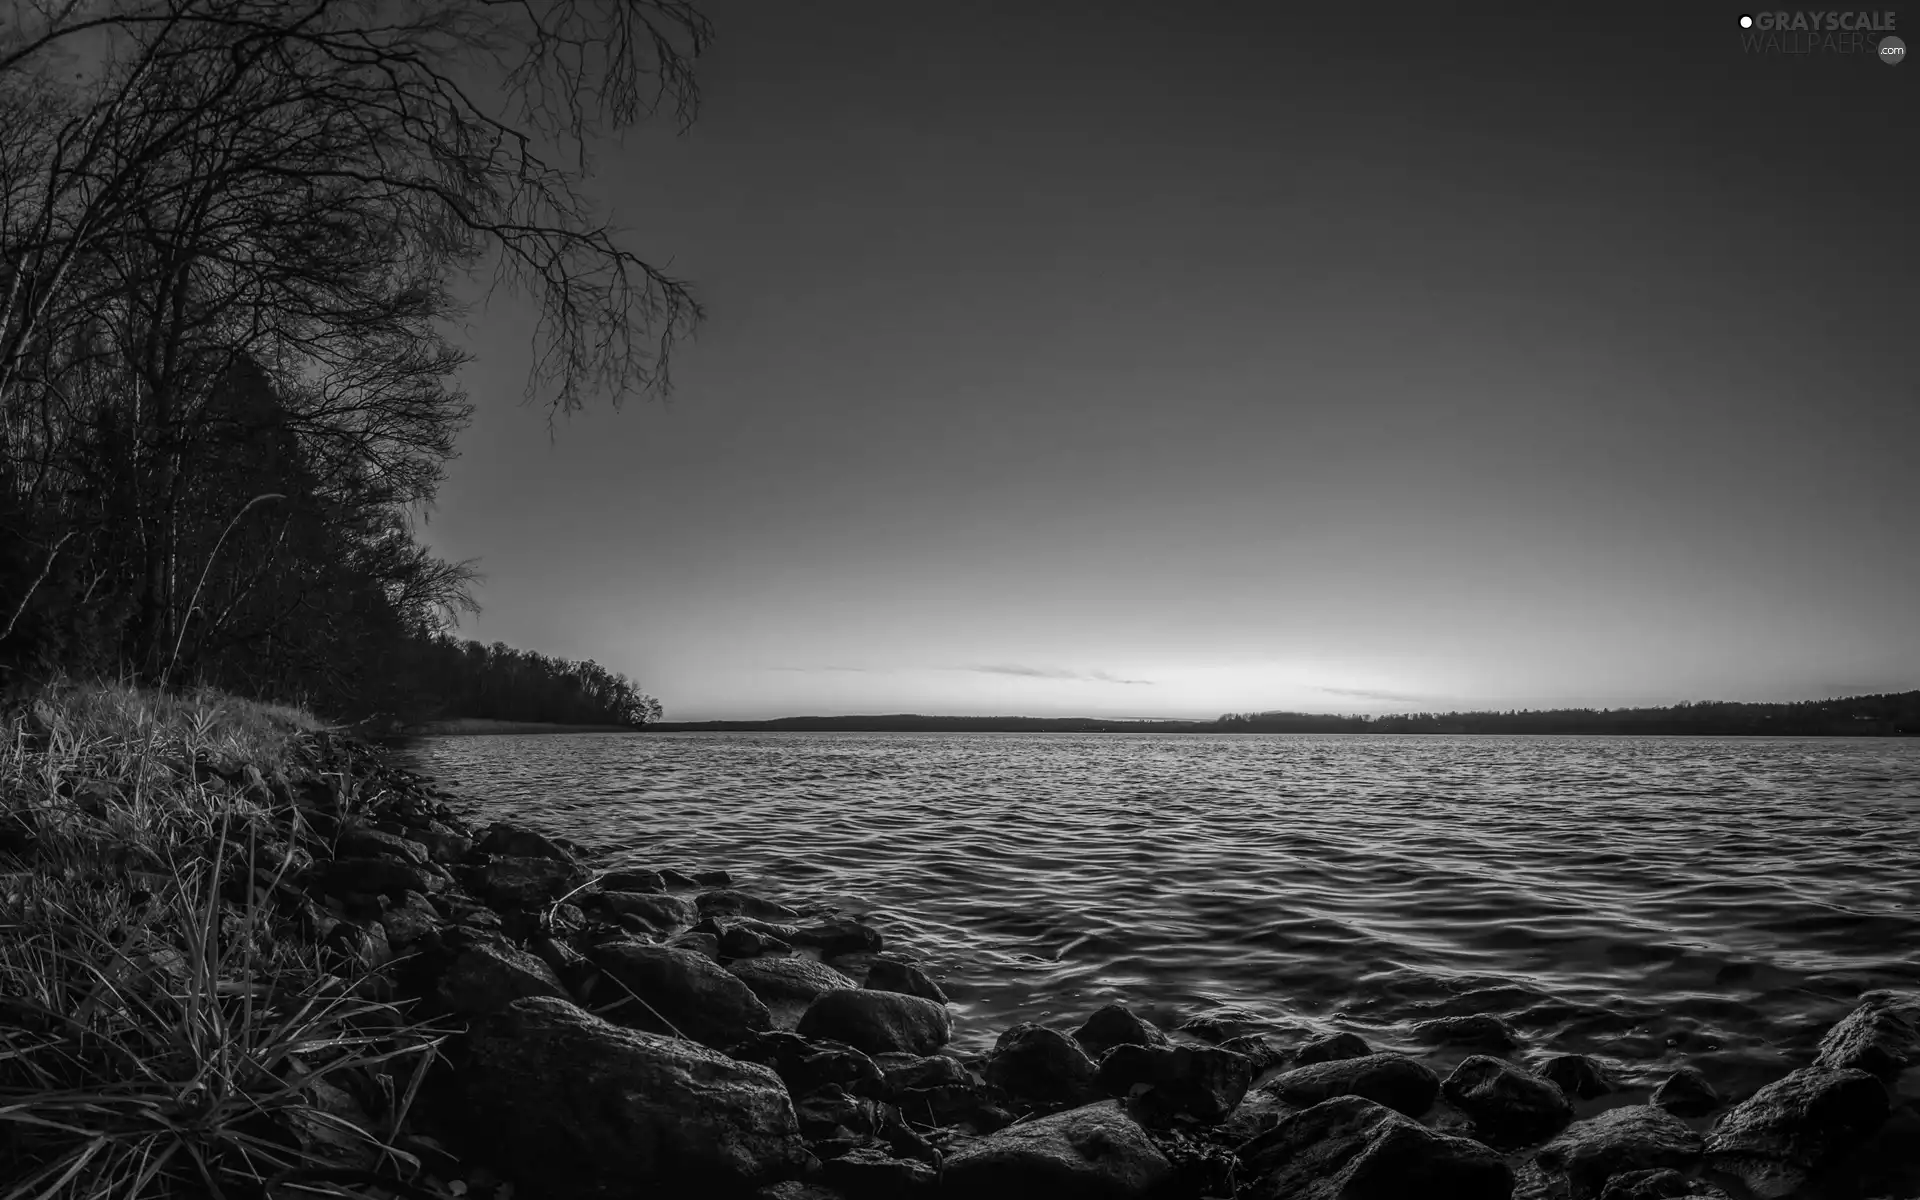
(167, 1024)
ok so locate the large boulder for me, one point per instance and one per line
(668, 990)
(806, 1065)
(1580, 1076)
(1096, 1152)
(878, 1022)
(1331, 1048)
(1686, 1093)
(1880, 1037)
(1042, 1066)
(726, 902)
(376, 876)
(789, 980)
(488, 978)
(525, 882)
(1349, 1148)
(1777, 1138)
(1508, 1106)
(658, 910)
(1638, 1137)
(898, 975)
(1481, 1031)
(837, 935)
(576, 1108)
(1116, 1025)
(1394, 1080)
(1663, 1184)
(364, 841)
(517, 841)
(1205, 1083)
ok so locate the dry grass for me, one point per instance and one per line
(164, 1028)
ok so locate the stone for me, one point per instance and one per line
(577, 1108)
(1686, 1093)
(1578, 1075)
(1880, 1037)
(1218, 1024)
(878, 1022)
(656, 909)
(1481, 1031)
(1779, 1137)
(628, 880)
(718, 879)
(903, 1071)
(788, 980)
(376, 876)
(837, 935)
(806, 1064)
(1349, 1148)
(1263, 1053)
(1637, 1137)
(442, 845)
(1662, 1184)
(736, 939)
(1205, 1083)
(1095, 1152)
(729, 903)
(869, 1173)
(517, 841)
(830, 1112)
(1331, 1048)
(525, 881)
(486, 978)
(362, 841)
(677, 879)
(896, 975)
(700, 943)
(1117, 1025)
(1509, 1106)
(678, 991)
(1042, 1066)
(411, 921)
(793, 1189)
(1394, 1080)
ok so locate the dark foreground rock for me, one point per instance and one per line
(1394, 1080)
(487, 978)
(1638, 1137)
(1579, 1076)
(1201, 1082)
(898, 975)
(594, 1111)
(1686, 1093)
(1777, 1139)
(1880, 1037)
(1042, 1066)
(1350, 1148)
(788, 980)
(1665, 1184)
(878, 1022)
(1095, 1152)
(660, 986)
(1481, 1031)
(1116, 1025)
(1508, 1106)
(806, 1065)
(1331, 1047)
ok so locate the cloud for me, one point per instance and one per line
(1376, 694)
(1025, 672)
(812, 670)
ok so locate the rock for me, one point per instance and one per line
(1218, 1024)
(830, 1112)
(1202, 1082)
(1508, 1106)
(1775, 1139)
(1663, 1184)
(1880, 1037)
(793, 1189)
(1042, 1066)
(1481, 1031)
(1116, 1025)
(1349, 1148)
(806, 1065)
(837, 935)
(1263, 1053)
(869, 1173)
(729, 903)
(1332, 1048)
(1686, 1093)
(656, 909)
(442, 846)
(376, 876)
(525, 882)
(1638, 1137)
(677, 879)
(1394, 1080)
(704, 944)
(923, 1071)
(718, 879)
(878, 1022)
(516, 841)
(361, 841)
(632, 881)
(1095, 1152)
(579, 1109)
(739, 940)
(693, 993)
(486, 978)
(411, 921)
(1580, 1077)
(788, 980)
(894, 975)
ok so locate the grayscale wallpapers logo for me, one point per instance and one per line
(1866, 34)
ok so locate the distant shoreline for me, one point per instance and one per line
(471, 726)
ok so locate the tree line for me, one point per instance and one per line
(231, 236)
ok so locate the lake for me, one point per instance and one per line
(1653, 901)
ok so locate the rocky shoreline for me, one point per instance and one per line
(655, 1032)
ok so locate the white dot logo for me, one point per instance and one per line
(1746, 22)
(1893, 51)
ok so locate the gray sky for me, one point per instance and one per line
(1162, 360)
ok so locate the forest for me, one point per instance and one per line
(234, 238)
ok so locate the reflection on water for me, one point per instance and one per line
(1649, 900)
